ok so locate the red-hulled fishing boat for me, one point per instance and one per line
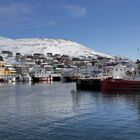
(111, 84)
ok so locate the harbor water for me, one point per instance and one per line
(58, 111)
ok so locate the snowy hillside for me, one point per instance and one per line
(45, 45)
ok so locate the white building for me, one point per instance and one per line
(123, 71)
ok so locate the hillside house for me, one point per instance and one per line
(7, 54)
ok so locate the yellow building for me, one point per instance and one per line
(2, 71)
(6, 70)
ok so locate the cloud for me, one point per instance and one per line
(76, 11)
(48, 24)
(14, 10)
(14, 13)
(51, 23)
(133, 27)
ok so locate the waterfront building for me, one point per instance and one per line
(22, 69)
(7, 70)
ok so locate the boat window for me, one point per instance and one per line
(116, 70)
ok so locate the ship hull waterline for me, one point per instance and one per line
(120, 85)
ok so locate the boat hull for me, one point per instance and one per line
(119, 85)
(40, 79)
(89, 84)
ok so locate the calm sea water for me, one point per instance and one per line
(58, 111)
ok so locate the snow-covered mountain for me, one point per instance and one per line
(45, 45)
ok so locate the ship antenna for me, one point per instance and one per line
(138, 54)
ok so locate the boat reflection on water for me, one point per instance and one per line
(122, 92)
(84, 97)
(58, 111)
(109, 98)
(128, 97)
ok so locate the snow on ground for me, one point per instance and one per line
(45, 45)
